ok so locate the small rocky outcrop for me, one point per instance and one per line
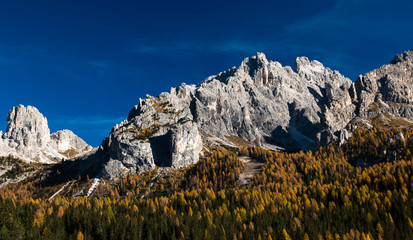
(28, 138)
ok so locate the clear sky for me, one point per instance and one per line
(84, 64)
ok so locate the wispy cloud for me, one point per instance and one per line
(86, 120)
(291, 37)
(192, 47)
(343, 19)
(91, 128)
(99, 63)
(101, 66)
(329, 20)
(329, 35)
(288, 47)
(10, 54)
(13, 51)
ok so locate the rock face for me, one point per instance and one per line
(27, 128)
(387, 89)
(159, 131)
(68, 143)
(28, 137)
(267, 103)
(259, 103)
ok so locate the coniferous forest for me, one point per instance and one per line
(361, 189)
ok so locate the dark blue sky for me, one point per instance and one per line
(84, 64)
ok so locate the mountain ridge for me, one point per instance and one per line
(260, 103)
(28, 137)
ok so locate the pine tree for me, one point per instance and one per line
(4, 233)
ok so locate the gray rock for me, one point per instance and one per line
(135, 155)
(259, 103)
(114, 169)
(186, 144)
(387, 89)
(27, 128)
(158, 132)
(344, 136)
(68, 143)
(28, 137)
(262, 101)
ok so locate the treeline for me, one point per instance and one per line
(359, 190)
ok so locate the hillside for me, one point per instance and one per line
(359, 190)
(257, 152)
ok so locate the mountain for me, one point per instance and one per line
(260, 103)
(28, 138)
(203, 172)
(388, 89)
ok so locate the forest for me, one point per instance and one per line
(361, 189)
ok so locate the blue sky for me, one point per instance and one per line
(84, 64)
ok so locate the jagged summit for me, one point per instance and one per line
(260, 103)
(406, 56)
(27, 127)
(304, 66)
(28, 137)
(387, 89)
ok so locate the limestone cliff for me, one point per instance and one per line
(28, 138)
(387, 89)
(159, 131)
(259, 103)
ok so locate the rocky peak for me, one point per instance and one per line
(304, 65)
(184, 92)
(387, 89)
(260, 103)
(65, 141)
(27, 126)
(28, 137)
(406, 56)
(257, 68)
(254, 62)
